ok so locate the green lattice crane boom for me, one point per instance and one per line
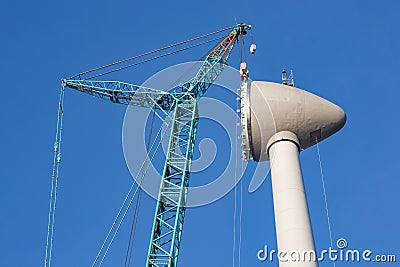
(181, 103)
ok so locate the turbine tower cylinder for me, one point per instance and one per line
(293, 227)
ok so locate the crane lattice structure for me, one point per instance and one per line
(181, 103)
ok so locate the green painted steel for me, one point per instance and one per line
(54, 181)
(182, 101)
(171, 204)
(123, 93)
(170, 211)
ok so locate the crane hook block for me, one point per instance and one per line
(244, 73)
(253, 48)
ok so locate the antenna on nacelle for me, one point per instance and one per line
(284, 78)
(287, 80)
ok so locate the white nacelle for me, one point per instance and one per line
(268, 108)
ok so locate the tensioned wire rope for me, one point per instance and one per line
(154, 58)
(149, 53)
(154, 51)
(57, 144)
(55, 184)
(128, 255)
(242, 55)
(143, 169)
(54, 181)
(235, 190)
(325, 197)
(241, 180)
(130, 191)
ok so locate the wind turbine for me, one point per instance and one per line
(278, 122)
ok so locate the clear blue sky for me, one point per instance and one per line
(345, 51)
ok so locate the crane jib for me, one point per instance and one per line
(181, 102)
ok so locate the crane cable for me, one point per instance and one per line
(240, 217)
(251, 36)
(242, 54)
(128, 255)
(54, 181)
(154, 51)
(189, 70)
(131, 194)
(150, 59)
(235, 190)
(325, 197)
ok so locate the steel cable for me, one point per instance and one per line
(325, 198)
(54, 182)
(154, 51)
(125, 201)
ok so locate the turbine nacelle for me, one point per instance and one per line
(268, 108)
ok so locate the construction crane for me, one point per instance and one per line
(181, 104)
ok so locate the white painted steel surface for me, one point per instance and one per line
(275, 107)
(293, 228)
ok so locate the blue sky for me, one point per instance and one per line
(345, 51)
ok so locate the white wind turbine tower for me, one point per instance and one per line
(278, 121)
